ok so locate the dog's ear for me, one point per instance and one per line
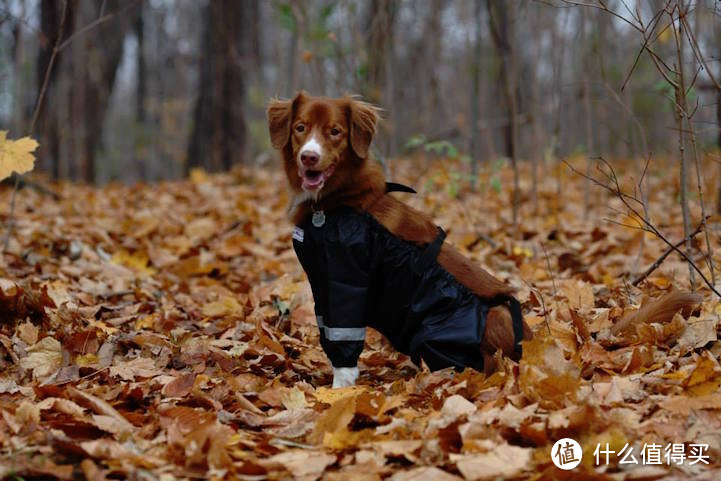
(280, 115)
(363, 119)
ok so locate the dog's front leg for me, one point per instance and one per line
(345, 376)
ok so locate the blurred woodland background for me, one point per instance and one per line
(148, 89)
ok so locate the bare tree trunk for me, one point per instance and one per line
(536, 103)
(100, 65)
(501, 17)
(473, 131)
(141, 90)
(218, 139)
(378, 31)
(488, 135)
(434, 35)
(379, 47)
(19, 53)
(142, 70)
(681, 113)
(559, 46)
(392, 102)
(588, 114)
(605, 29)
(251, 49)
(80, 85)
(291, 69)
(718, 138)
(718, 113)
(48, 124)
(692, 36)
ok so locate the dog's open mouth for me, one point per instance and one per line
(314, 179)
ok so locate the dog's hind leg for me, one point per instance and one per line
(499, 336)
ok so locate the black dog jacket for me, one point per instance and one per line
(362, 275)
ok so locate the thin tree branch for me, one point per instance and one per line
(627, 226)
(48, 71)
(616, 190)
(604, 8)
(100, 20)
(654, 21)
(550, 271)
(543, 304)
(60, 44)
(697, 52)
(637, 280)
(36, 113)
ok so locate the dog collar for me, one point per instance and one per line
(396, 187)
(318, 216)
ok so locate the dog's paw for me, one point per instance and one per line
(345, 376)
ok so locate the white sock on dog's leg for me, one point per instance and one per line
(345, 376)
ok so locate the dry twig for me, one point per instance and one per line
(627, 201)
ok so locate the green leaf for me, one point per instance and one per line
(362, 71)
(326, 11)
(415, 141)
(435, 147)
(441, 147)
(282, 306)
(285, 16)
(496, 184)
(452, 150)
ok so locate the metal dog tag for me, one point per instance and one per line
(318, 218)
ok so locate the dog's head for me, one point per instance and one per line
(323, 140)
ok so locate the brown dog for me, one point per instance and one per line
(325, 147)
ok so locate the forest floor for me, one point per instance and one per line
(166, 332)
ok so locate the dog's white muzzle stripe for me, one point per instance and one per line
(311, 145)
(342, 333)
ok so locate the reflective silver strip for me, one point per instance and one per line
(298, 234)
(341, 333)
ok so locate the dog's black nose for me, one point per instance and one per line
(309, 158)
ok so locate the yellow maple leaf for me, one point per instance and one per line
(331, 396)
(522, 251)
(226, 306)
(87, 360)
(198, 176)
(137, 261)
(16, 155)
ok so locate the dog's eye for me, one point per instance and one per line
(299, 128)
(334, 132)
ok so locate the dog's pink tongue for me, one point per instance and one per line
(312, 184)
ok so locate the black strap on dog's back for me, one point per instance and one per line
(396, 187)
(516, 317)
(429, 255)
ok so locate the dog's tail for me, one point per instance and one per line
(659, 310)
